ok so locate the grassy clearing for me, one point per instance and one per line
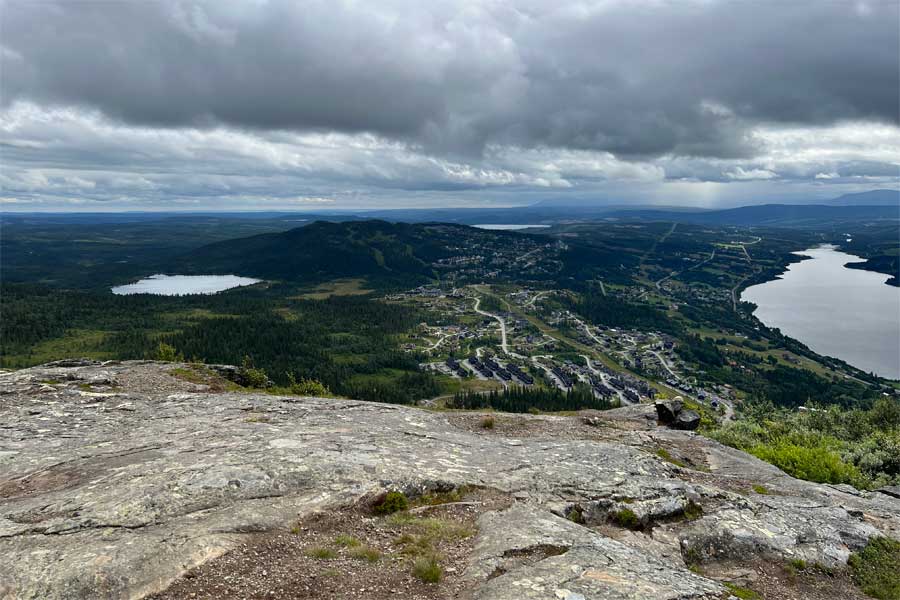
(80, 343)
(338, 287)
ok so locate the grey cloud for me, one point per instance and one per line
(636, 80)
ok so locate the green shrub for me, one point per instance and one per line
(626, 518)
(818, 464)
(428, 570)
(306, 387)
(250, 376)
(393, 502)
(761, 489)
(876, 568)
(167, 353)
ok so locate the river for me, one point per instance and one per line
(845, 313)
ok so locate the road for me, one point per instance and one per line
(664, 363)
(534, 299)
(548, 372)
(438, 343)
(503, 344)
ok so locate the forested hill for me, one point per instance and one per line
(387, 253)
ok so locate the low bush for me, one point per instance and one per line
(626, 518)
(818, 464)
(876, 568)
(392, 502)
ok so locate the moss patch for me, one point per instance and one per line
(742, 593)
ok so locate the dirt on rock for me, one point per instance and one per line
(350, 553)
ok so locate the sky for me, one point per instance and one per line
(272, 104)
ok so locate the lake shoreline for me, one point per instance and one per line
(832, 309)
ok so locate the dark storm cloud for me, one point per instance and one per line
(688, 78)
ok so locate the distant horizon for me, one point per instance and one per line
(351, 209)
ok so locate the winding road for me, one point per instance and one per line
(503, 344)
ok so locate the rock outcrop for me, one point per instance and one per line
(673, 414)
(115, 478)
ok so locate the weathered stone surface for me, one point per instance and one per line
(116, 477)
(890, 490)
(525, 552)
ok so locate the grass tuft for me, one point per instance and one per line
(428, 569)
(346, 541)
(321, 553)
(366, 553)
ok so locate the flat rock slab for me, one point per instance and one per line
(116, 478)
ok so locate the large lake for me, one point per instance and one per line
(846, 313)
(182, 285)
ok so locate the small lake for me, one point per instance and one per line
(508, 226)
(183, 285)
(846, 313)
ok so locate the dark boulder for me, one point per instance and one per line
(667, 410)
(687, 420)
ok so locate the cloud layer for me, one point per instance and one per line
(256, 102)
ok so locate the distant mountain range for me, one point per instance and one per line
(873, 198)
(769, 215)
